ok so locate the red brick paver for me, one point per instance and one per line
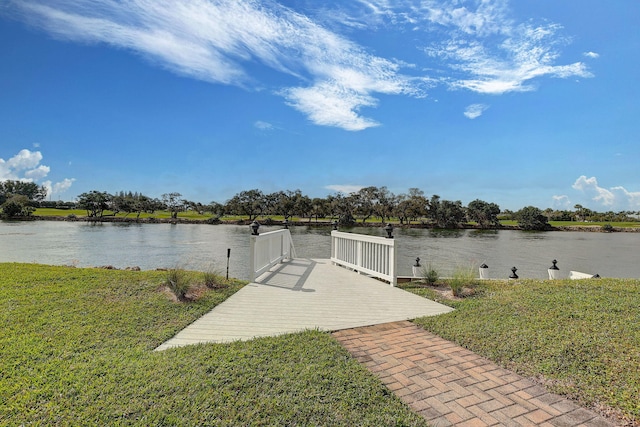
(450, 385)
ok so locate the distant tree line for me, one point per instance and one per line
(20, 199)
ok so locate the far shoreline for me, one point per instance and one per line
(272, 222)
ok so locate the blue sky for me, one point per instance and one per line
(527, 102)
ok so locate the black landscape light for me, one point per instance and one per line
(513, 273)
(286, 223)
(335, 225)
(389, 230)
(254, 226)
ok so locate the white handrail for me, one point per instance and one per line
(375, 256)
(269, 249)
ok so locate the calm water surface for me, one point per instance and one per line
(201, 246)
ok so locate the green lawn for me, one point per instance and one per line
(76, 349)
(581, 338)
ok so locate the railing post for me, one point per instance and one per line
(252, 257)
(394, 265)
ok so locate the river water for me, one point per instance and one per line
(202, 246)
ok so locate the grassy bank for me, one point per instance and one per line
(580, 338)
(76, 349)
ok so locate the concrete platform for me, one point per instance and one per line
(304, 294)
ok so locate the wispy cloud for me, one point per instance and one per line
(592, 55)
(474, 111)
(344, 188)
(262, 125)
(215, 40)
(331, 78)
(25, 166)
(481, 48)
(615, 197)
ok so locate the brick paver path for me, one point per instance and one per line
(450, 385)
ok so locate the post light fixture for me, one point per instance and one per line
(254, 227)
(335, 225)
(389, 230)
(286, 223)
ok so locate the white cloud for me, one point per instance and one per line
(330, 104)
(37, 173)
(263, 125)
(25, 166)
(484, 50)
(344, 188)
(59, 187)
(331, 79)
(525, 54)
(592, 55)
(474, 111)
(615, 198)
(213, 40)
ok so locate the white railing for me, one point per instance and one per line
(269, 249)
(375, 256)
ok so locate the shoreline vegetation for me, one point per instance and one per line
(164, 217)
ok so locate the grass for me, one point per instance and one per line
(580, 338)
(76, 349)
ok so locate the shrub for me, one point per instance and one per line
(462, 276)
(430, 275)
(214, 220)
(178, 282)
(607, 228)
(212, 279)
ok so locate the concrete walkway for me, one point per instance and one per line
(450, 385)
(304, 294)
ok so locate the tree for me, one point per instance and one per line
(31, 190)
(123, 203)
(318, 208)
(531, 218)
(386, 203)
(485, 214)
(451, 214)
(288, 203)
(216, 209)
(342, 207)
(173, 203)
(94, 202)
(250, 203)
(412, 206)
(445, 213)
(365, 200)
(17, 206)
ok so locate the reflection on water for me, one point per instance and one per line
(446, 233)
(483, 234)
(200, 246)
